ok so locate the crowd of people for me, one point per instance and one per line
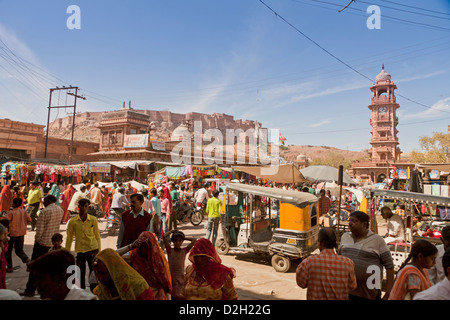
(148, 262)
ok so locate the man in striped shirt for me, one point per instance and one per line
(327, 276)
(370, 254)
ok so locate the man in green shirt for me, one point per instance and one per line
(213, 207)
(34, 202)
(87, 238)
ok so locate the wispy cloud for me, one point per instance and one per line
(319, 124)
(439, 109)
(21, 89)
(422, 76)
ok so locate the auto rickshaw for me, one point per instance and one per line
(269, 221)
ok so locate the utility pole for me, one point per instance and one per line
(74, 106)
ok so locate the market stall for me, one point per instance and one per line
(23, 173)
(285, 173)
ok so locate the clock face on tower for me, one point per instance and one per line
(382, 110)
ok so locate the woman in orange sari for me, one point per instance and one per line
(66, 197)
(207, 278)
(147, 258)
(413, 277)
(117, 280)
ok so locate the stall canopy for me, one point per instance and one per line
(119, 164)
(139, 186)
(325, 173)
(437, 166)
(286, 173)
(359, 193)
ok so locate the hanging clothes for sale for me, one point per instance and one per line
(188, 170)
(173, 172)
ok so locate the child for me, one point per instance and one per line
(176, 259)
(57, 240)
(18, 220)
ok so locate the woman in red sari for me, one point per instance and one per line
(5, 198)
(65, 201)
(149, 260)
(109, 198)
(207, 278)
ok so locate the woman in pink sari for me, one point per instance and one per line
(66, 197)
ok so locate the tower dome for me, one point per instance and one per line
(383, 75)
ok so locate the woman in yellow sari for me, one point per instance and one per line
(117, 280)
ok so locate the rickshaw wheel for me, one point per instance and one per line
(222, 247)
(280, 263)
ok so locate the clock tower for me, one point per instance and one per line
(384, 121)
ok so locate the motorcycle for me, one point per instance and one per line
(94, 210)
(191, 212)
(113, 222)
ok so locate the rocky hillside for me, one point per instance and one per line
(321, 152)
(86, 129)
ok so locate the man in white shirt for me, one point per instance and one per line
(395, 228)
(202, 194)
(441, 290)
(77, 196)
(436, 272)
(119, 201)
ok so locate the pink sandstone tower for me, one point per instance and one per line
(384, 155)
(384, 120)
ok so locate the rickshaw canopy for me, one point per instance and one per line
(299, 199)
(408, 196)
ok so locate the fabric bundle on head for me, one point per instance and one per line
(214, 272)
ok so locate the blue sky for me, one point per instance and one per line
(235, 57)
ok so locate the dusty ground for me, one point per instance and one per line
(255, 277)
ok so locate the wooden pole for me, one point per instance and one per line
(340, 178)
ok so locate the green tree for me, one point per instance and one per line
(434, 149)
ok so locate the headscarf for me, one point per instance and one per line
(55, 192)
(5, 198)
(214, 272)
(129, 283)
(153, 265)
